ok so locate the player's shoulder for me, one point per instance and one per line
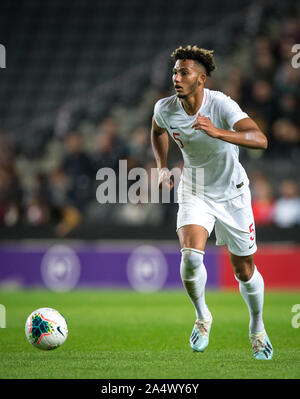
(217, 97)
(166, 104)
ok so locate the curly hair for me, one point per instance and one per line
(203, 56)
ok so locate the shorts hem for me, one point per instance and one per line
(198, 224)
(245, 253)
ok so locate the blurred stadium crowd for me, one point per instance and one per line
(59, 187)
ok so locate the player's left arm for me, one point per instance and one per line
(249, 134)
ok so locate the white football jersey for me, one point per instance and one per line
(224, 176)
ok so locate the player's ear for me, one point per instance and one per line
(201, 78)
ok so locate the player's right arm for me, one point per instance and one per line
(160, 146)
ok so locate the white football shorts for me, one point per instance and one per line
(233, 221)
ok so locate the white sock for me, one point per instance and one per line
(253, 293)
(194, 276)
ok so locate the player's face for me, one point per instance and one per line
(187, 78)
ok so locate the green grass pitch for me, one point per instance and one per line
(125, 334)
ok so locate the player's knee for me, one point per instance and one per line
(243, 266)
(191, 261)
(244, 271)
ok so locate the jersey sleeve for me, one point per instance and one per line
(231, 112)
(158, 115)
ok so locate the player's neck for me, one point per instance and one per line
(192, 104)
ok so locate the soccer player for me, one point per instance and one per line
(208, 126)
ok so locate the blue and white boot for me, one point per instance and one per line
(200, 335)
(261, 344)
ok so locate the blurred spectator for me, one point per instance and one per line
(262, 199)
(10, 188)
(71, 218)
(287, 78)
(37, 204)
(262, 100)
(286, 132)
(59, 186)
(10, 197)
(289, 35)
(37, 212)
(7, 153)
(78, 168)
(232, 90)
(287, 207)
(140, 150)
(288, 107)
(110, 148)
(232, 86)
(147, 212)
(286, 139)
(66, 216)
(263, 60)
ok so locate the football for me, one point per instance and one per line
(46, 328)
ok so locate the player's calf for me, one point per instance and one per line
(193, 274)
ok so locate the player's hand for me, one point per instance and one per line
(205, 124)
(164, 179)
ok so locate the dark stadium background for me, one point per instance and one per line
(77, 94)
